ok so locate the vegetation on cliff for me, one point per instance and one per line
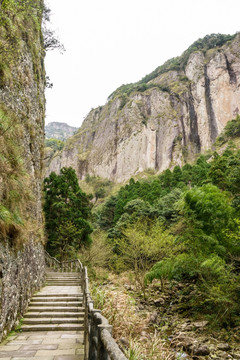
(212, 41)
(21, 67)
(19, 21)
(15, 182)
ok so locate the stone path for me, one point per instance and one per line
(53, 325)
(47, 345)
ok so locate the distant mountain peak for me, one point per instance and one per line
(59, 130)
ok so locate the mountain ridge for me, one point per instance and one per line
(59, 130)
(159, 124)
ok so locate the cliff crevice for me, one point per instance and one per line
(209, 107)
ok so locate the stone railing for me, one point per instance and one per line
(98, 341)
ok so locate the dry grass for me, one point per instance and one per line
(18, 218)
(131, 328)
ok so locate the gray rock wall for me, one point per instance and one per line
(21, 275)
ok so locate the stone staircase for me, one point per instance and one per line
(58, 306)
(53, 326)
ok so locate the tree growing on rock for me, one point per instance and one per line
(67, 209)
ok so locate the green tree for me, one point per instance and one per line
(54, 144)
(232, 129)
(106, 213)
(209, 208)
(66, 209)
(142, 245)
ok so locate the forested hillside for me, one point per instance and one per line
(174, 237)
(183, 225)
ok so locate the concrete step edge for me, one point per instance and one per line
(44, 321)
(55, 309)
(52, 327)
(53, 314)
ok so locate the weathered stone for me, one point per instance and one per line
(200, 350)
(153, 318)
(224, 346)
(200, 324)
(183, 341)
(186, 327)
(236, 355)
(22, 276)
(158, 302)
(223, 355)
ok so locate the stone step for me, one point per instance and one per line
(55, 308)
(75, 278)
(53, 327)
(56, 299)
(63, 278)
(62, 284)
(57, 295)
(59, 303)
(63, 273)
(53, 320)
(70, 283)
(45, 314)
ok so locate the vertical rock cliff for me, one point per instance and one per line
(165, 119)
(22, 107)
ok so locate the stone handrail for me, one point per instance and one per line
(98, 341)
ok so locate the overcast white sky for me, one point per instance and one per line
(113, 42)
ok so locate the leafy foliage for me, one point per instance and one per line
(101, 187)
(54, 144)
(231, 130)
(142, 245)
(66, 210)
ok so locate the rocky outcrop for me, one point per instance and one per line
(22, 108)
(164, 123)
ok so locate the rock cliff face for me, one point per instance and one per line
(175, 115)
(22, 107)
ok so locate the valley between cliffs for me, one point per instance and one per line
(160, 123)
